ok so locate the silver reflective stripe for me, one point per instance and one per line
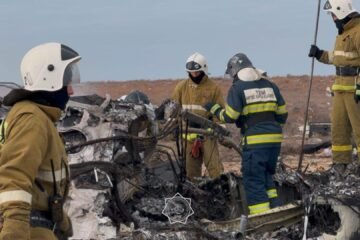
(48, 175)
(193, 107)
(346, 54)
(331, 57)
(16, 195)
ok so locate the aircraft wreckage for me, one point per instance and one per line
(127, 184)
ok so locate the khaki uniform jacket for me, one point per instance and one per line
(193, 96)
(345, 53)
(31, 142)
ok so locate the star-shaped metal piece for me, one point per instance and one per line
(178, 209)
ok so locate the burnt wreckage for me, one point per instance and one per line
(128, 182)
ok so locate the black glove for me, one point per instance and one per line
(357, 93)
(315, 52)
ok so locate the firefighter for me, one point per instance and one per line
(34, 172)
(255, 104)
(192, 94)
(345, 115)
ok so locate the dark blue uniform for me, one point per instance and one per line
(259, 110)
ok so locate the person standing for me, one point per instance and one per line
(345, 117)
(256, 105)
(192, 94)
(34, 172)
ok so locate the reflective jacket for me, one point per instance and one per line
(346, 53)
(258, 109)
(193, 97)
(30, 143)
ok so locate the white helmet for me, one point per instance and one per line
(197, 62)
(340, 8)
(49, 67)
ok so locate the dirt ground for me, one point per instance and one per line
(294, 89)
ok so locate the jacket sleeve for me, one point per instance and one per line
(281, 113)
(176, 95)
(219, 98)
(20, 158)
(327, 57)
(233, 107)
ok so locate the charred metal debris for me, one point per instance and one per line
(125, 174)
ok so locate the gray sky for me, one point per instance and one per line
(151, 39)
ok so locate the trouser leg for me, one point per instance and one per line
(273, 154)
(353, 110)
(254, 178)
(193, 165)
(211, 158)
(341, 130)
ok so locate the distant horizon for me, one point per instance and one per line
(213, 77)
(130, 40)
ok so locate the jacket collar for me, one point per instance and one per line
(352, 23)
(53, 113)
(203, 81)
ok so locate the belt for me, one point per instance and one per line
(258, 118)
(347, 71)
(41, 219)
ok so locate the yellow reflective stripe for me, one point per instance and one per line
(3, 127)
(233, 114)
(190, 136)
(259, 208)
(331, 57)
(221, 115)
(337, 87)
(15, 195)
(260, 107)
(341, 148)
(193, 107)
(346, 54)
(48, 175)
(264, 138)
(215, 108)
(272, 193)
(281, 109)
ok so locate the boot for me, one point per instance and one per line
(275, 202)
(339, 171)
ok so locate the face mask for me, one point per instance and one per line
(340, 26)
(197, 79)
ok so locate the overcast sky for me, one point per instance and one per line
(151, 39)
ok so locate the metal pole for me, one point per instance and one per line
(309, 90)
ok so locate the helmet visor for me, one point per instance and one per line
(233, 67)
(71, 74)
(193, 66)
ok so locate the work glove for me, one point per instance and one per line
(315, 52)
(357, 93)
(196, 149)
(212, 107)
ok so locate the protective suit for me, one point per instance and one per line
(192, 94)
(345, 57)
(34, 172)
(256, 105)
